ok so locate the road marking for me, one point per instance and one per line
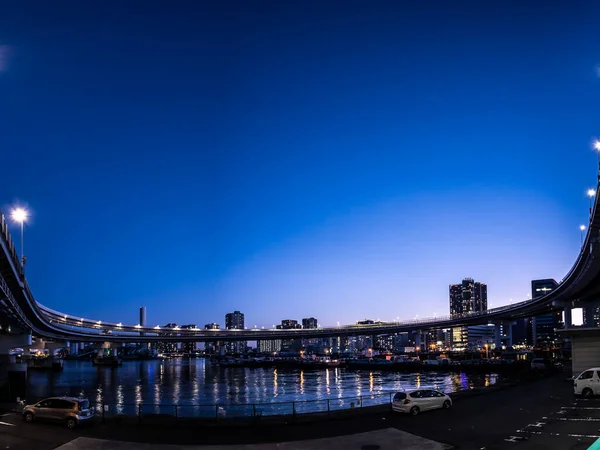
(591, 436)
(580, 407)
(515, 439)
(575, 419)
(7, 424)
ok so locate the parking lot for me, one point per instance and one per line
(574, 425)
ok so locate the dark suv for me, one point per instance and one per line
(68, 410)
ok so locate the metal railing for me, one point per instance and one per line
(221, 411)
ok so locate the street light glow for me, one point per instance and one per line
(582, 227)
(591, 192)
(597, 145)
(19, 215)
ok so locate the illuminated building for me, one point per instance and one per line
(235, 321)
(211, 347)
(544, 326)
(468, 297)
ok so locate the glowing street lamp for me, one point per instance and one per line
(596, 146)
(581, 229)
(20, 215)
(591, 193)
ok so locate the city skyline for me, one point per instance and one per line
(281, 172)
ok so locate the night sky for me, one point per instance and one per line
(342, 160)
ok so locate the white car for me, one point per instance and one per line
(421, 400)
(588, 383)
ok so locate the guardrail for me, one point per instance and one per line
(221, 412)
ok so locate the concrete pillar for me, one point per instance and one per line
(418, 340)
(498, 335)
(508, 333)
(73, 348)
(13, 375)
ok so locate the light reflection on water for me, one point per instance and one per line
(195, 381)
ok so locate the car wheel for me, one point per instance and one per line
(414, 410)
(71, 423)
(587, 393)
(447, 404)
(28, 417)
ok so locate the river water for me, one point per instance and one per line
(158, 385)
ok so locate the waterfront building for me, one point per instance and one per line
(544, 326)
(467, 297)
(290, 345)
(167, 346)
(310, 323)
(235, 321)
(312, 345)
(211, 347)
(478, 336)
(188, 347)
(269, 346)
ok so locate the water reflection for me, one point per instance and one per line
(194, 381)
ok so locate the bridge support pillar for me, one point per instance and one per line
(498, 335)
(508, 333)
(13, 375)
(417, 340)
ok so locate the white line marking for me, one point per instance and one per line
(580, 407)
(7, 424)
(576, 419)
(591, 436)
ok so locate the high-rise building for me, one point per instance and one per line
(188, 347)
(211, 347)
(310, 322)
(290, 345)
(468, 297)
(235, 321)
(544, 326)
(167, 346)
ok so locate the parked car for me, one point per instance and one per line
(421, 400)
(588, 383)
(68, 410)
(538, 364)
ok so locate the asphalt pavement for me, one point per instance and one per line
(528, 416)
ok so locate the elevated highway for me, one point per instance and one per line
(579, 288)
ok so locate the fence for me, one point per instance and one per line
(225, 412)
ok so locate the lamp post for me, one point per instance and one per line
(20, 215)
(591, 194)
(581, 229)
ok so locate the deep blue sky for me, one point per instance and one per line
(288, 159)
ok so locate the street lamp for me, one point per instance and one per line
(20, 215)
(591, 193)
(581, 229)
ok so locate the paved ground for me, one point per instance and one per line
(389, 439)
(538, 415)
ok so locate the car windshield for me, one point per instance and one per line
(83, 404)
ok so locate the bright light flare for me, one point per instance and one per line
(596, 145)
(591, 192)
(19, 215)
(582, 227)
